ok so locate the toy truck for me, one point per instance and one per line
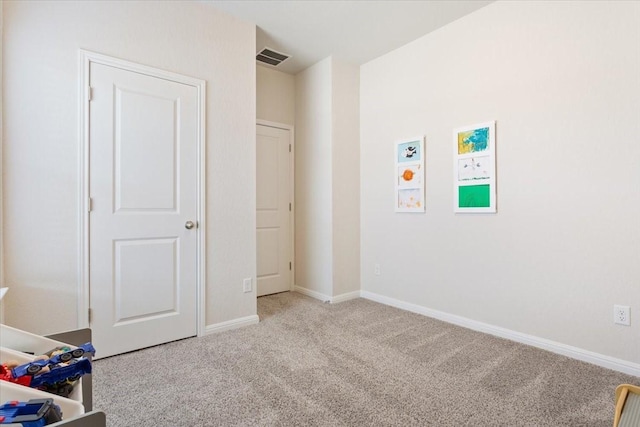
(36, 366)
(62, 371)
(60, 379)
(34, 413)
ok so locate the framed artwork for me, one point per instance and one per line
(474, 168)
(409, 175)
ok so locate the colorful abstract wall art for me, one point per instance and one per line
(409, 171)
(475, 168)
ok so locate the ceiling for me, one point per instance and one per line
(355, 31)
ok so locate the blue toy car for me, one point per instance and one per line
(34, 413)
(63, 371)
(36, 366)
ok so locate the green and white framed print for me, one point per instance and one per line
(474, 168)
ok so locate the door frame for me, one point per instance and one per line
(84, 203)
(292, 194)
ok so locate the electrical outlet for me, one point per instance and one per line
(246, 285)
(376, 269)
(621, 315)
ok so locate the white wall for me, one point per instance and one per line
(346, 177)
(562, 81)
(313, 213)
(1, 186)
(327, 179)
(40, 165)
(276, 96)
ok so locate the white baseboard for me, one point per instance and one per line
(231, 324)
(555, 347)
(312, 294)
(326, 298)
(345, 297)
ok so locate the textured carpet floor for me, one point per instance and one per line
(356, 363)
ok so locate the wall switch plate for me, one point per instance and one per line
(621, 315)
(246, 285)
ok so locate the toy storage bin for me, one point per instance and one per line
(27, 342)
(7, 354)
(9, 391)
(13, 342)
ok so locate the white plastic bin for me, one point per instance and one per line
(27, 342)
(18, 343)
(7, 354)
(9, 391)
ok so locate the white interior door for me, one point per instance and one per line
(273, 210)
(143, 188)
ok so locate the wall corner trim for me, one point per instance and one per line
(231, 324)
(542, 343)
(345, 297)
(312, 294)
(326, 298)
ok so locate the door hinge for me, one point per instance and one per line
(90, 315)
(89, 93)
(289, 266)
(89, 204)
(289, 207)
(289, 147)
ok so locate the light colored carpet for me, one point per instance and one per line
(356, 363)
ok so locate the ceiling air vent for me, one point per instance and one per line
(271, 57)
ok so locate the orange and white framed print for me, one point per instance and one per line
(409, 175)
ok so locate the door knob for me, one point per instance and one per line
(189, 225)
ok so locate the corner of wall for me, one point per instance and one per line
(327, 187)
(345, 110)
(313, 188)
(1, 158)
